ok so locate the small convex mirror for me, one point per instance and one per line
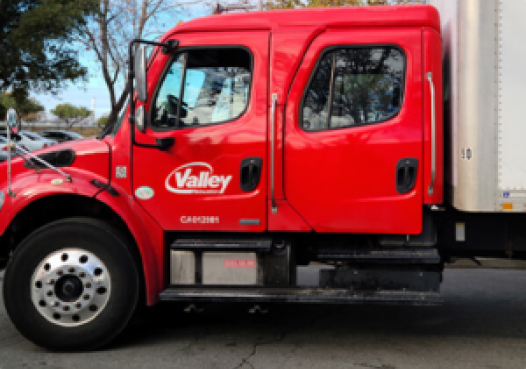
(11, 119)
(140, 74)
(140, 119)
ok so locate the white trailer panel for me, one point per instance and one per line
(484, 81)
(512, 99)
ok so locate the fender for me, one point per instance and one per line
(148, 236)
(91, 162)
(29, 187)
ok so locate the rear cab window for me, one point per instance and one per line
(354, 86)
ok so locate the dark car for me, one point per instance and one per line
(61, 135)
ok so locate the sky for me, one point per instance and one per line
(82, 94)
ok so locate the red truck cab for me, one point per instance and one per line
(267, 140)
(336, 174)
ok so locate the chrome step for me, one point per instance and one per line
(221, 244)
(383, 256)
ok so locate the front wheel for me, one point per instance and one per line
(72, 285)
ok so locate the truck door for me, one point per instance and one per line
(354, 132)
(212, 177)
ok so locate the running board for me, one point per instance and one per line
(384, 256)
(234, 244)
(299, 295)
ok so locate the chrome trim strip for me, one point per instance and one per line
(430, 190)
(272, 151)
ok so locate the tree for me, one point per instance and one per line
(102, 121)
(70, 113)
(26, 107)
(114, 25)
(36, 49)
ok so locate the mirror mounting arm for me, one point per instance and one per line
(131, 71)
(167, 47)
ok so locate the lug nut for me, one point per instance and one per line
(51, 281)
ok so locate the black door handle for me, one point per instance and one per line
(406, 175)
(250, 173)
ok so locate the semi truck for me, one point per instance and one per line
(368, 146)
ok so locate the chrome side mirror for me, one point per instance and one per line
(11, 119)
(140, 118)
(140, 74)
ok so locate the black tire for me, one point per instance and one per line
(103, 241)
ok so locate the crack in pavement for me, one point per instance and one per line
(282, 335)
(205, 334)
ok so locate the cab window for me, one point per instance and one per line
(354, 86)
(215, 86)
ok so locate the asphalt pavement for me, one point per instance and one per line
(481, 325)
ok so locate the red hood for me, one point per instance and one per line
(91, 155)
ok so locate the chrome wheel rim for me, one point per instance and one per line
(70, 287)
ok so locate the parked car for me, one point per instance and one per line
(30, 140)
(4, 150)
(38, 140)
(3, 156)
(61, 135)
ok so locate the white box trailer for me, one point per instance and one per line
(485, 103)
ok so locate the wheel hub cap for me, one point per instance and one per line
(70, 287)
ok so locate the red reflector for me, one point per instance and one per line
(235, 263)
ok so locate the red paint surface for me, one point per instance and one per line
(397, 16)
(344, 180)
(222, 146)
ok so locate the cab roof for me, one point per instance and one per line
(408, 15)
